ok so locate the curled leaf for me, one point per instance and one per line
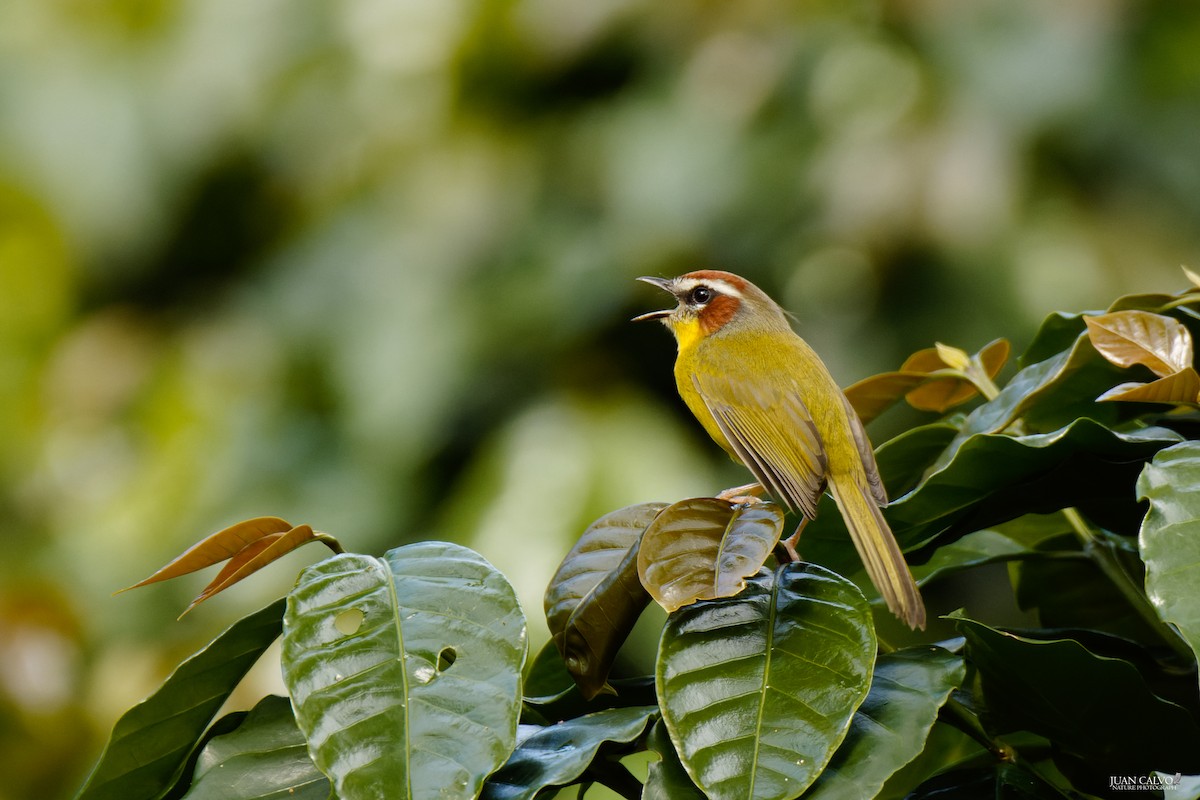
(933, 379)
(248, 546)
(1128, 338)
(1181, 388)
(940, 395)
(705, 548)
(595, 597)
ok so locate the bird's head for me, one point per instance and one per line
(712, 302)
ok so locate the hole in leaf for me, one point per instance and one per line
(446, 658)
(349, 621)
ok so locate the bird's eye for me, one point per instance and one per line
(700, 295)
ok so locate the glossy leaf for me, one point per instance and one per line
(1180, 388)
(905, 460)
(705, 548)
(973, 550)
(1170, 537)
(757, 691)
(1048, 395)
(595, 597)
(666, 778)
(265, 758)
(1075, 593)
(405, 671)
(557, 755)
(151, 742)
(993, 478)
(1096, 709)
(1129, 338)
(890, 728)
(248, 546)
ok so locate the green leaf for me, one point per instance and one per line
(904, 460)
(405, 671)
(1170, 537)
(595, 597)
(705, 548)
(1075, 592)
(890, 728)
(973, 550)
(946, 748)
(994, 478)
(1093, 708)
(265, 758)
(151, 742)
(666, 778)
(758, 690)
(558, 755)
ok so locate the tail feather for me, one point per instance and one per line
(879, 551)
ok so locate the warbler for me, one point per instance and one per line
(764, 395)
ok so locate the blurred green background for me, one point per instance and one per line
(368, 265)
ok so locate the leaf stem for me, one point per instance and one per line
(330, 542)
(1104, 556)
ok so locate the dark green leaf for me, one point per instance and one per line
(1096, 709)
(1170, 537)
(1075, 593)
(266, 758)
(972, 550)
(385, 657)
(557, 755)
(595, 597)
(151, 742)
(758, 690)
(994, 478)
(904, 460)
(946, 748)
(890, 728)
(547, 679)
(705, 548)
(667, 779)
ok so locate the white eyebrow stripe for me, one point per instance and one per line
(685, 285)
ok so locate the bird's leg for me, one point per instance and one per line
(748, 493)
(786, 549)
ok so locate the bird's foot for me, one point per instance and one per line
(742, 495)
(785, 550)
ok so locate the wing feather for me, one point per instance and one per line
(774, 435)
(867, 454)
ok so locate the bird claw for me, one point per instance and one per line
(742, 495)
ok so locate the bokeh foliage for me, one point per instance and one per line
(368, 265)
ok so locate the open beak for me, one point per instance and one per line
(665, 285)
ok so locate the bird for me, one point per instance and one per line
(764, 395)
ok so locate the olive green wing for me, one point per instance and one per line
(772, 432)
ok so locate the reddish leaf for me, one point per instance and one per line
(216, 548)
(254, 557)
